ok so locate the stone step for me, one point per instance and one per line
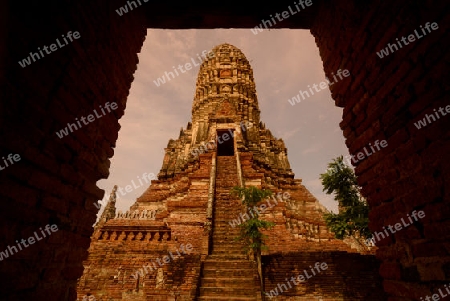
(227, 228)
(211, 273)
(227, 298)
(223, 246)
(234, 250)
(228, 212)
(225, 232)
(227, 215)
(224, 226)
(226, 237)
(227, 274)
(228, 253)
(225, 258)
(227, 241)
(239, 263)
(216, 270)
(225, 266)
(225, 192)
(227, 244)
(228, 282)
(231, 208)
(227, 291)
(225, 221)
(228, 234)
(223, 199)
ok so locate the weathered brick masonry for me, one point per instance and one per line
(385, 97)
(55, 181)
(348, 276)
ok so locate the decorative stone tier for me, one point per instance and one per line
(136, 214)
(128, 234)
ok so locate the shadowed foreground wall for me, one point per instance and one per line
(55, 180)
(382, 100)
(347, 276)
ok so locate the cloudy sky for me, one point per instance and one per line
(283, 61)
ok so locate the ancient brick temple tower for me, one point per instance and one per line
(176, 241)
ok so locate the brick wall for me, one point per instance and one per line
(55, 180)
(383, 99)
(109, 273)
(346, 276)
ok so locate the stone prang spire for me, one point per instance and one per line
(225, 99)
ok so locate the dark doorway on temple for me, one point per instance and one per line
(225, 143)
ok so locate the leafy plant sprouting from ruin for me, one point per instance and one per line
(250, 229)
(353, 217)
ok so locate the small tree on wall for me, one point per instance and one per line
(250, 230)
(353, 217)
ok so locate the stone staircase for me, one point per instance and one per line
(227, 274)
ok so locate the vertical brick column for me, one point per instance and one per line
(382, 99)
(55, 180)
